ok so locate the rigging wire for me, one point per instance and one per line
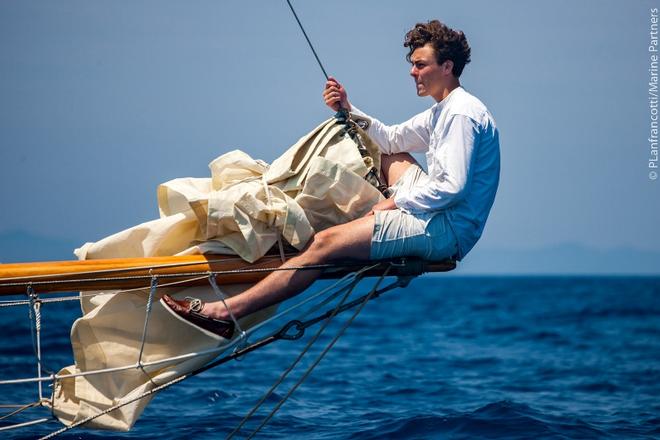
(282, 334)
(374, 292)
(242, 270)
(294, 363)
(300, 326)
(308, 41)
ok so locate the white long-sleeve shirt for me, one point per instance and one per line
(462, 152)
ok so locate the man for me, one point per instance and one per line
(434, 216)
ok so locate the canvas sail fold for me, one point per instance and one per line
(240, 209)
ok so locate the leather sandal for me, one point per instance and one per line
(189, 309)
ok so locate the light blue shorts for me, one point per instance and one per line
(400, 234)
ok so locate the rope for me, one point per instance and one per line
(20, 408)
(307, 38)
(24, 424)
(320, 356)
(345, 284)
(35, 330)
(152, 291)
(293, 364)
(223, 297)
(281, 334)
(178, 275)
(270, 206)
(343, 115)
(114, 407)
(217, 351)
(81, 295)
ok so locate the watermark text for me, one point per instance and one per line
(654, 59)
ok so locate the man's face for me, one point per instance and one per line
(430, 77)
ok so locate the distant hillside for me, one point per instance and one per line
(21, 246)
(561, 259)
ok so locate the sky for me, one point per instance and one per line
(101, 101)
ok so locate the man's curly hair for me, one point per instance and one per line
(447, 43)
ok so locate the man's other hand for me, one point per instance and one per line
(383, 205)
(335, 95)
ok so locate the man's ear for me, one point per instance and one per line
(447, 66)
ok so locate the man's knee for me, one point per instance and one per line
(320, 247)
(394, 165)
(336, 242)
(398, 157)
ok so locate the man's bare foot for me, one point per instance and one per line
(215, 310)
(190, 310)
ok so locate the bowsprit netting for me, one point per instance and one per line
(321, 306)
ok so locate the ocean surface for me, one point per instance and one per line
(446, 357)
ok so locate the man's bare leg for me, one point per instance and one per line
(349, 240)
(394, 165)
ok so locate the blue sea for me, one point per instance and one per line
(446, 357)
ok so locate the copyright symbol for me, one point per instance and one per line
(653, 175)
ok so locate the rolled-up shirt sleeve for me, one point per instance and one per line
(449, 168)
(409, 136)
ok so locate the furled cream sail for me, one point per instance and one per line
(241, 209)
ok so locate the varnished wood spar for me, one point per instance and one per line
(65, 276)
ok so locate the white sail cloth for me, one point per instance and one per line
(240, 209)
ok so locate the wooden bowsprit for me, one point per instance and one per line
(130, 275)
(127, 273)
